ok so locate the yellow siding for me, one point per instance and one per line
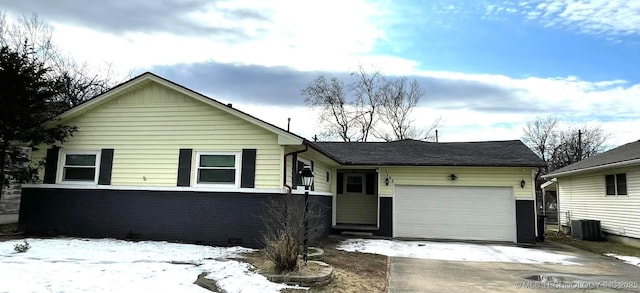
(357, 209)
(148, 126)
(320, 166)
(467, 176)
(584, 197)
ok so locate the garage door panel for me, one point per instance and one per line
(474, 213)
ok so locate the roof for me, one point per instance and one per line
(284, 137)
(623, 155)
(511, 153)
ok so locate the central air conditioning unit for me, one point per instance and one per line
(586, 230)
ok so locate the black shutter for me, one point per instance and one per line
(313, 186)
(370, 182)
(248, 176)
(106, 162)
(51, 165)
(339, 182)
(184, 167)
(294, 171)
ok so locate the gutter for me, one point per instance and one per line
(612, 165)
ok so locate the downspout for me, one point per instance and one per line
(284, 173)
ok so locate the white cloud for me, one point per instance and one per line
(611, 17)
(306, 35)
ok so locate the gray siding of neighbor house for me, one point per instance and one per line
(214, 218)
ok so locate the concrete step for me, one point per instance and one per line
(356, 233)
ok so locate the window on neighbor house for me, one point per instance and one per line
(80, 167)
(217, 168)
(616, 184)
(354, 183)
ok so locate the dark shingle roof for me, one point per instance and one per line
(511, 153)
(627, 152)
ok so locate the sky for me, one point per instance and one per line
(486, 67)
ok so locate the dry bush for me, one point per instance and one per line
(284, 232)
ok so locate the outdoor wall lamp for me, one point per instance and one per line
(453, 177)
(306, 176)
(522, 183)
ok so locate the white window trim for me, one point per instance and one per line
(615, 184)
(62, 158)
(196, 166)
(364, 183)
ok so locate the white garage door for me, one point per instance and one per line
(443, 212)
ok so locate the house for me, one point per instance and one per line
(154, 160)
(604, 187)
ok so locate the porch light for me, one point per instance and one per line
(522, 183)
(307, 176)
(453, 177)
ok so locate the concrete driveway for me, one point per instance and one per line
(591, 272)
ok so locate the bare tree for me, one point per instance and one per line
(576, 144)
(560, 144)
(399, 98)
(368, 89)
(371, 106)
(541, 135)
(81, 81)
(330, 97)
(29, 40)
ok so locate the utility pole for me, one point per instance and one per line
(579, 146)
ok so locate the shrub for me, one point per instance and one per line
(284, 232)
(284, 252)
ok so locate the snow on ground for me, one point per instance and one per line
(108, 265)
(628, 259)
(455, 251)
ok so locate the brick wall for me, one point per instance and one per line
(216, 218)
(10, 200)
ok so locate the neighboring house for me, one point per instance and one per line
(605, 187)
(154, 160)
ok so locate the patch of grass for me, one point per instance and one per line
(352, 272)
(599, 247)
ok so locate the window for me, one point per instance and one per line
(354, 183)
(616, 184)
(218, 168)
(80, 167)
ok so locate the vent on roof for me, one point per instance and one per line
(230, 105)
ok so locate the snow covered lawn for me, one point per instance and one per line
(455, 251)
(633, 260)
(108, 265)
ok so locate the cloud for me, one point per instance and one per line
(283, 86)
(611, 17)
(444, 91)
(127, 16)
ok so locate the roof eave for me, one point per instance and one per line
(441, 165)
(594, 168)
